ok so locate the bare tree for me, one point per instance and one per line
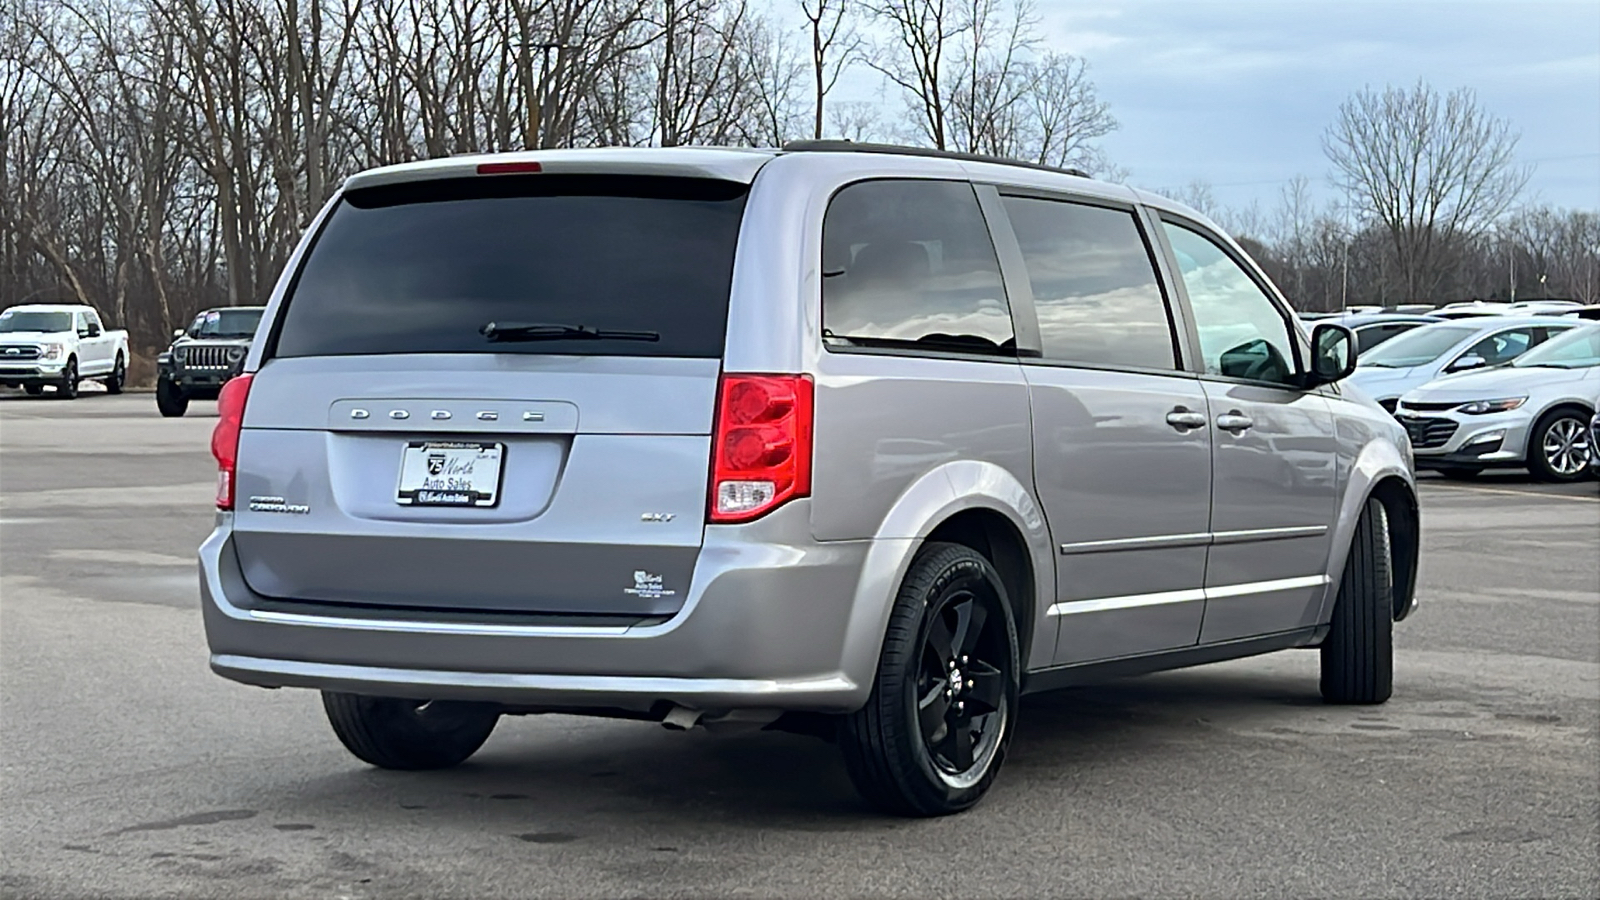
(1433, 168)
(835, 42)
(856, 120)
(914, 56)
(1556, 251)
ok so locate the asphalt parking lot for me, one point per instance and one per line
(130, 770)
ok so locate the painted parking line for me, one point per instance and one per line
(1461, 488)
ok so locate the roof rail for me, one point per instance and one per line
(836, 146)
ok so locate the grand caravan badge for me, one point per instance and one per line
(278, 505)
(648, 586)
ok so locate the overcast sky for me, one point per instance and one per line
(1238, 94)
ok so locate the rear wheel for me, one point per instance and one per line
(934, 732)
(170, 398)
(118, 376)
(1558, 447)
(1358, 654)
(392, 733)
(67, 387)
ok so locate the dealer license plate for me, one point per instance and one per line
(450, 473)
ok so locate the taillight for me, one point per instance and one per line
(509, 168)
(225, 437)
(761, 445)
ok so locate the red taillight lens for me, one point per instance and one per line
(509, 168)
(761, 445)
(225, 437)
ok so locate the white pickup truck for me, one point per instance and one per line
(58, 346)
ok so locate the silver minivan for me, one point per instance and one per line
(857, 441)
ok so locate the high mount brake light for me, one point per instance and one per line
(509, 168)
(760, 445)
(225, 437)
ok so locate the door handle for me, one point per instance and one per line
(1183, 419)
(1235, 422)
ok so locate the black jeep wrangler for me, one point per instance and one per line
(205, 356)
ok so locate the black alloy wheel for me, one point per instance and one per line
(933, 734)
(118, 377)
(67, 388)
(961, 693)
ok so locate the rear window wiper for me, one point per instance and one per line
(555, 331)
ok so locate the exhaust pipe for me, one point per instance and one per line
(680, 718)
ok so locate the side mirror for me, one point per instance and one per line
(1333, 354)
(1468, 362)
(178, 334)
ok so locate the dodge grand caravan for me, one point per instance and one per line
(858, 441)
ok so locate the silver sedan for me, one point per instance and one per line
(1532, 412)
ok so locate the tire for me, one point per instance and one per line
(67, 387)
(1460, 473)
(118, 376)
(912, 763)
(33, 390)
(170, 398)
(1558, 446)
(1358, 653)
(410, 735)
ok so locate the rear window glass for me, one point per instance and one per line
(909, 265)
(422, 267)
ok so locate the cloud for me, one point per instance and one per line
(1238, 94)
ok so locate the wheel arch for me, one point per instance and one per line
(969, 502)
(1405, 539)
(1584, 410)
(1382, 472)
(998, 540)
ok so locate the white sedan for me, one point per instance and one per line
(1532, 412)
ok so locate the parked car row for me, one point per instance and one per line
(1497, 391)
(55, 347)
(1466, 309)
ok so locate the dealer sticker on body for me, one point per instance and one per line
(450, 473)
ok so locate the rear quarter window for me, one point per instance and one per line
(908, 265)
(421, 267)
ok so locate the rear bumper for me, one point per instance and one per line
(769, 623)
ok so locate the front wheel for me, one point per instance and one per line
(934, 732)
(33, 390)
(1460, 473)
(170, 399)
(1558, 446)
(118, 376)
(67, 387)
(392, 733)
(1358, 654)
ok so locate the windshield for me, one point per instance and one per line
(11, 320)
(1577, 349)
(1417, 347)
(424, 267)
(227, 323)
